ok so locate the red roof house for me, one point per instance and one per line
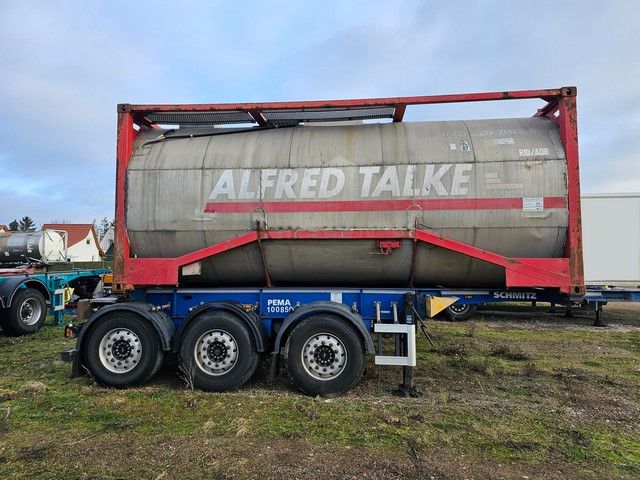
(82, 241)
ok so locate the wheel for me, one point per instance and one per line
(460, 313)
(122, 350)
(27, 313)
(324, 356)
(217, 352)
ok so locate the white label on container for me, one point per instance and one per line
(533, 152)
(336, 297)
(192, 269)
(532, 204)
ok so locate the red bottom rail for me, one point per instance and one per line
(519, 272)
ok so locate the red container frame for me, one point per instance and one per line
(564, 274)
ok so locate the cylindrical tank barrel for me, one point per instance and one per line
(499, 185)
(27, 247)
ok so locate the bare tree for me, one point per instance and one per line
(103, 228)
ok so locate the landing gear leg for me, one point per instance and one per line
(407, 388)
(599, 322)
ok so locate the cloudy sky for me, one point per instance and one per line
(65, 65)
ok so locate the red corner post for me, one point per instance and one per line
(568, 122)
(125, 136)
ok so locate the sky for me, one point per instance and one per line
(65, 65)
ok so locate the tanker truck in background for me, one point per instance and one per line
(28, 290)
(44, 246)
(272, 228)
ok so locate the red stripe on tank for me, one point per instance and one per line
(504, 203)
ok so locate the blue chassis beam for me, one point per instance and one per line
(275, 304)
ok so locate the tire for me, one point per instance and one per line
(112, 353)
(158, 365)
(26, 314)
(460, 313)
(325, 356)
(217, 352)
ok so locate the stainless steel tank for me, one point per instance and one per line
(497, 184)
(28, 247)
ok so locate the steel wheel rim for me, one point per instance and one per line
(459, 308)
(324, 356)
(30, 311)
(216, 352)
(120, 350)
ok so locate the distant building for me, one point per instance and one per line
(3, 228)
(82, 241)
(106, 243)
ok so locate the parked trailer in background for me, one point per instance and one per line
(611, 232)
(301, 241)
(28, 290)
(27, 294)
(611, 239)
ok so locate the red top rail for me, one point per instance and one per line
(278, 113)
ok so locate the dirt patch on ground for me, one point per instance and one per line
(216, 458)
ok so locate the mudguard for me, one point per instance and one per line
(9, 287)
(338, 309)
(250, 319)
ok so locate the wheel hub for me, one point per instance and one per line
(459, 308)
(324, 356)
(216, 352)
(30, 311)
(120, 350)
(26, 311)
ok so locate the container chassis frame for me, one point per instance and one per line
(395, 312)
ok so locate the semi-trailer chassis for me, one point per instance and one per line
(322, 334)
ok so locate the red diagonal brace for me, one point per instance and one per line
(520, 272)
